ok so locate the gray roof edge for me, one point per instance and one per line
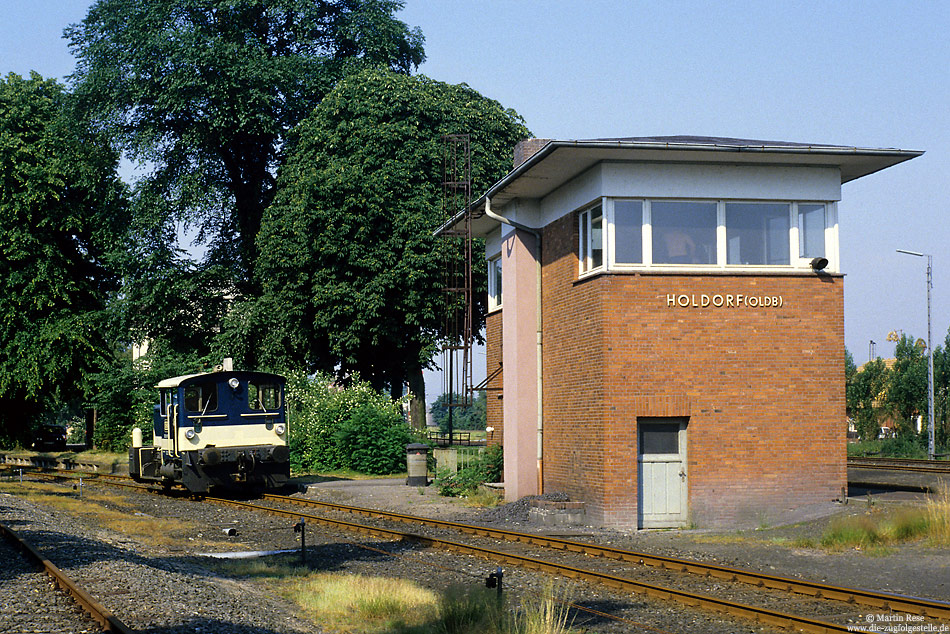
(776, 147)
(708, 144)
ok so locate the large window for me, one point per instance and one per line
(202, 397)
(263, 396)
(626, 233)
(684, 232)
(811, 230)
(757, 233)
(494, 283)
(592, 239)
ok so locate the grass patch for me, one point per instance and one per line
(938, 516)
(483, 497)
(93, 507)
(92, 455)
(876, 531)
(353, 603)
(357, 604)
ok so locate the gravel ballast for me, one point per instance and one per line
(173, 590)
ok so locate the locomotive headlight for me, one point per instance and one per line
(280, 429)
(234, 383)
(190, 434)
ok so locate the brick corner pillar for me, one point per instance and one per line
(520, 349)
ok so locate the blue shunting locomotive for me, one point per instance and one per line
(224, 429)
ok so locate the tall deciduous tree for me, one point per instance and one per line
(351, 271)
(865, 396)
(907, 384)
(63, 217)
(942, 391)
(203, 92)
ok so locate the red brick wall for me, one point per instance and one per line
(574, 355)
(494, 414)
(763, 387)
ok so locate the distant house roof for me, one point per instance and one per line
(557, 162)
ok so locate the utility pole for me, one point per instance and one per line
(931, 444)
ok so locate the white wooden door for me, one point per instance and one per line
(662, 477)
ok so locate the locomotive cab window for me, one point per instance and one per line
(202, 397)
(264, 396)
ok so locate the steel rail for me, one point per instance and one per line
(912, 605)
(758, 614)
(877, 600)
(96, 610)
(900, 464)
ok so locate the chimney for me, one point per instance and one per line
(526, 148)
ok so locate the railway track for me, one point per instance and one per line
(901, 464)
(855, 596)
(850, 599)
(83, 599)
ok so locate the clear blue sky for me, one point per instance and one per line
(869, 74)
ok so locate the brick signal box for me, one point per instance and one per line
(665, 339)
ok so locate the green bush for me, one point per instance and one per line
(373, 440)
(333, 428)
(488, 468)
(904, 446)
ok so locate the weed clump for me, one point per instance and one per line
(489, 467)
(876, 531)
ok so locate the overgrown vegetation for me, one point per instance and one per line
(333, 428)
(874, 531)
(379, 605)
(488, 467)
(908, 446)
(105, 510)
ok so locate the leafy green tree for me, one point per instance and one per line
(865, 397)
(907, 384)
(124, 393)
(202, 93)
(942, 392)
(350, 269)
(171, 301)
(64, 217)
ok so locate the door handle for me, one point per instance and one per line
(682, 473)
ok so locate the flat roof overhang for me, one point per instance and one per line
(560, 161)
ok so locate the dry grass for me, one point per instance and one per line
(96, 507)
(874, 532)
(938, 516)
(355, 604)
(483, 497)
(544, 614)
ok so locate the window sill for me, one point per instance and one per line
(709, 271)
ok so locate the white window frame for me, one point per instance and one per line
(793, 259)
(609, 233)
(585, 239)
(495, 284)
